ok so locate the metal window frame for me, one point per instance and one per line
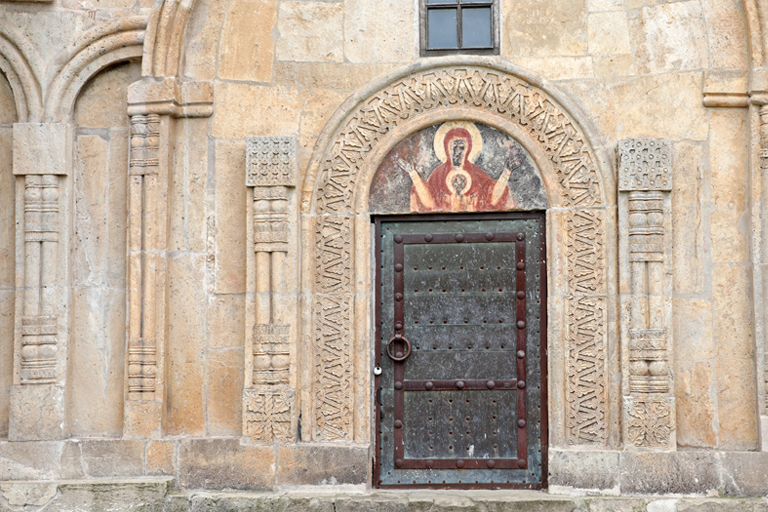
(424, 7)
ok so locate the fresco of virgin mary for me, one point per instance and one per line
(457, 166)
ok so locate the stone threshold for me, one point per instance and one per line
(160, 495)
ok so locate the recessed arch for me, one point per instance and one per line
(336, 271)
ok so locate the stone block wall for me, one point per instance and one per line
(162, 287)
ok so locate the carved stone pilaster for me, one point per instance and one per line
(269, 401)
(645, 183)
(42, 156)
(153, 106)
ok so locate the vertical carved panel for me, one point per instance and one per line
(39, 347)
(333, 238)
(145, 144)
(586, 370)
(645, 180)
(585, 252)
(268, 400)
(332, 321)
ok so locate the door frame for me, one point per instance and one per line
(377, 220)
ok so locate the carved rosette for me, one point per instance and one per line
(268, 400)
(645, 182)
(579, 187)
(269, 415)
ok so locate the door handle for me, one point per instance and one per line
(401, 357)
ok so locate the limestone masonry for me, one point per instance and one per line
(205, 302)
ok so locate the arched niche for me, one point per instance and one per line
(336, 269)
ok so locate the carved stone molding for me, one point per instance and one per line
(645, 180)
(502, 94)
(153, 105)
(271, 168)
(585, 368)
(577, 186)
(332, 386)
(42, 158)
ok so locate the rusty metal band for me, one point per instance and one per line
(522, 424)
(399, 299)
(455, 385)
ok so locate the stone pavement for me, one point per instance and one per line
(159, 495)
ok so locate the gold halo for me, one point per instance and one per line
(477, 139)
(449, 179)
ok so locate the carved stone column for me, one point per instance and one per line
(42, 156)
(645, 183)
(153, 106)
(269, 402)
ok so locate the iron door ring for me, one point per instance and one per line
(399, 337)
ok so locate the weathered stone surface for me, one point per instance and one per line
(688, 247)
(605, 5)
(32, 494)
(729, 186)
(736, 393)
(225, 389)
(186, 344)
(160, 458)
(7, 103)
(328, 75)
(231, 242)
(716, 505)
(609, 33)
(248, 110)
(104, 99)
(246, 50)
(30, 460)
(610, 66)
(694, 390)
(42, 148)
(726, 34)
(669, 473)
(662, 94)
(143, 495)
(203, 31)
(744, 473)
(324, 20)
(584, 470)
(394, 34)
(304, 464)
(541, 28)
(559, 68)
(669, 37)
(112, 458)
(225, 464)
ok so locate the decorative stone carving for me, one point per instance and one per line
(271, 161)
(499, 93)
(585, 252)
(646, 164)
(42, 157)
(272, 170)
(269, 415)
(153, 105)
(271, 354)
(585, 368)
(579, 186)
(145, 144)
(649, 421)
(332, 391)
(645, 180)
(333, 270)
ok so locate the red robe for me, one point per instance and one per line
(451, 198)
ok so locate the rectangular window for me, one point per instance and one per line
(459, 26)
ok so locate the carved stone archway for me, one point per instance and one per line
(337, 236)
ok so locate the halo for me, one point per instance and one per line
(477, 139)
(449, 179)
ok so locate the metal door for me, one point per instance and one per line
(461, 340)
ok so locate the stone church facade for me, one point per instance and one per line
(193, 234)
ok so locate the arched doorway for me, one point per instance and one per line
(337, 403)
